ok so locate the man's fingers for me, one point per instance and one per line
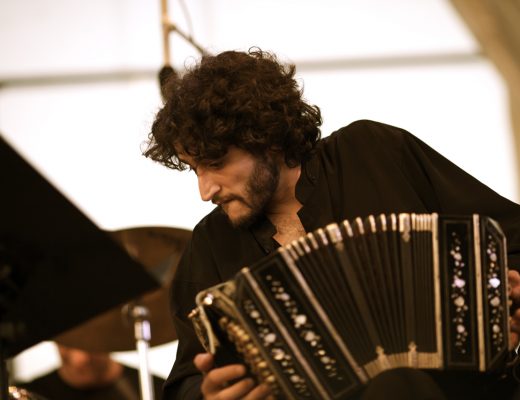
(216, 381)
(218, 378)
(238, 390)
(203, 362)
(514, 276)
(227, 373)
(514, 327)
(514, 339)
(514, 321)
(260, 392)
(514, 285)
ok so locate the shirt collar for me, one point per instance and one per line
(308, 179)
(263, 230)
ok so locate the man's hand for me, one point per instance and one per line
(514, 295)
(216, 386)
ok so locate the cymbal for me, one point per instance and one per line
(158, 249)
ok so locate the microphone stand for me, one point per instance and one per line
(171, 27)
(167, 28)
(139, 314)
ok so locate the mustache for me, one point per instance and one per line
(219, 200)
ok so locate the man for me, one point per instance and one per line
(90, 376)
(239, 122)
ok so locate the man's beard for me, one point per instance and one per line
(260, 189)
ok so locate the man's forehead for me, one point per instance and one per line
(184, 157)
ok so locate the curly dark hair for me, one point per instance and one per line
(248, 100)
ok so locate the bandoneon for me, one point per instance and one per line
(326, 313)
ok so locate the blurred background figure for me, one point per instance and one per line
(89, 376)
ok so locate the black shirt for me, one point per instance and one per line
(362, 169)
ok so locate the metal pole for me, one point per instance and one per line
(142, 332)
(167, 28)
(165, 32)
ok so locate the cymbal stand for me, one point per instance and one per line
(142, 333)
(4, 374)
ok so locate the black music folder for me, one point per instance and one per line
(57, 268)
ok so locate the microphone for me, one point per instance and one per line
(165, 75)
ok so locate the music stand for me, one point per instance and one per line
(57, 268)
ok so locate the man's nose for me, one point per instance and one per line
(207, 186)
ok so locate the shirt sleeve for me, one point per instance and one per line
(196, 272)
(457, 192)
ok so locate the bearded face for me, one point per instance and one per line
(241, 184)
